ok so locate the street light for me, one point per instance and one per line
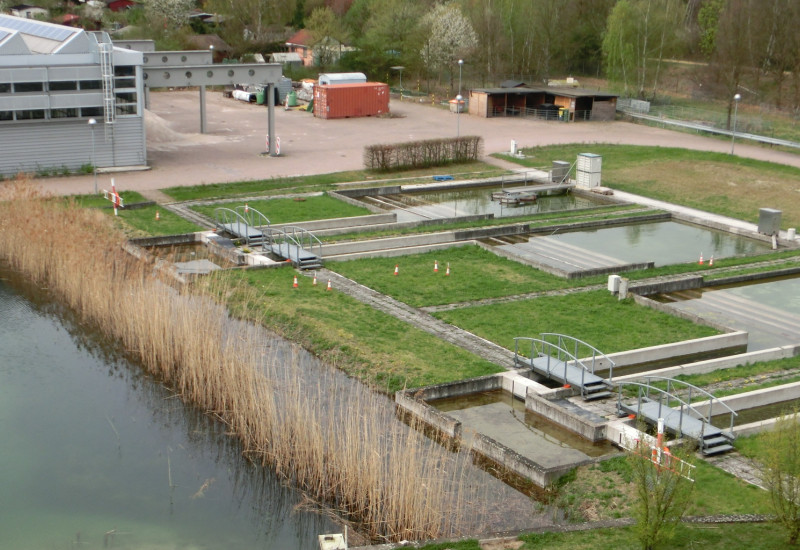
(458, 100)
(92, 123)
(736, 100)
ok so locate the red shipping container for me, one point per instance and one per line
(351, 100)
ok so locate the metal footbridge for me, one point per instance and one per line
(558, 357)
(670, 399)
(289, 243)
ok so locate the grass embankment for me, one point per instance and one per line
(731, 186)
(364, 342)
(138, 222)
(335, 440)
(286, 210)
(326, 182)
(596, 317)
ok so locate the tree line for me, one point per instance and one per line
(749, 47)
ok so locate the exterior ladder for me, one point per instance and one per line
(107, 74)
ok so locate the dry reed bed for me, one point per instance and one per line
(331, 437)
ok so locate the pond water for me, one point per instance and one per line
(768, 310)
(475, 201)
(664, 243)
(753, 414)
(98, 455)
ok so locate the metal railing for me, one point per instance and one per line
(557, 351)
(253, 217)
(231, 221)
(672, 399)
(296, 239)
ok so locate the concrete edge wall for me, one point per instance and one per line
(757, 427)
(728, 362)
(333, 249)
(337, 223)
(438, 420)
(585, 428)
(394, 252)
(676, 349)
(704, 222)
(673, 285)
(525, 261)
(756, 398)
(608, 270)
(576, 226)
(517, 463)
(754, 276)
(166, 240)
(345, 197)
(370, 191)
(664, 308)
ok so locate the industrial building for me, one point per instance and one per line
(69, 100)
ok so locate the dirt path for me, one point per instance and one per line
(232, 149)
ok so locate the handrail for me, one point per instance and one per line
(253, 217)
(546, 348)
(300, 237)
(577, 342)
(671, 396)
(223, 216)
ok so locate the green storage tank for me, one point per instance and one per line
(292, 99)
(260, 97)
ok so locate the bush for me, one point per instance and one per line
(422, 154)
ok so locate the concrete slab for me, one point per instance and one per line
(498, 421)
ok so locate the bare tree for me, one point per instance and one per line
(662, 495)
(780, 472)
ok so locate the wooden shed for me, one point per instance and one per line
(548, 103)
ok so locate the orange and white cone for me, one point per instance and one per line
(314, 282)
(294, 284)
(711, 261)
(158, 216)
(447, 272)
(396, 269)
(700, 262)
(246, 208)
(329, 285)
(436, 266)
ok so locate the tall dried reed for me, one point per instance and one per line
(321, 431)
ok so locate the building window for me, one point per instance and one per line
(30, 114)
(6, 115)
(125, 103)
(23, 87)
(92, 112)
(5, 88)
(91, 85)
(63, 86)
(64, 113)
(125, 70)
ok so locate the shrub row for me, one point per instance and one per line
(422, 154)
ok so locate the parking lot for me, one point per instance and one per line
(233, 147)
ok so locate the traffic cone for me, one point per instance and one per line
(246, 208)
(314, 282)
(701, 259)
(158, 216)
(396, 269)
(294, 284)
(436, 266)
(711, 261)
(447, 272)
(329, 285)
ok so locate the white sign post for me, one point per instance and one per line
(114, 197)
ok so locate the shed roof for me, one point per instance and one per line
(565, 92)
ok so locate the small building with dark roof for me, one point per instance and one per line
(550, 103)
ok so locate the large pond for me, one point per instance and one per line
(97, 455)
(475, 201)
(664, 243)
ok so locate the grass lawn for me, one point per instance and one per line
(475, 273)
(373, 346)
(320, 207)
(596, 317)
(140, 222)
(731, 186)
(323, 182)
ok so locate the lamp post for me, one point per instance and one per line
(736, 100)
(458, 100)
(92, 123)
